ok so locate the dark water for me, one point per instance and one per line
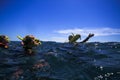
(61, 61)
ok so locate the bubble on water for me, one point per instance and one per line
(108, 74)
(105, 76)
(111, 73)
(101, 67)
(100, 76)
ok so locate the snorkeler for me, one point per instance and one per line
(4, 40)
(28, 43)
(73, 38)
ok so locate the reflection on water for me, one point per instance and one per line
(62, 61)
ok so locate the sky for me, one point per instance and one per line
(55, 20)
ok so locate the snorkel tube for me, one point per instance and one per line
(19, 37)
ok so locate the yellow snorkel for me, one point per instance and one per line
(19, 37)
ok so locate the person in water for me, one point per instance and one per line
(28, 43)
(4, 40)
(73, 38)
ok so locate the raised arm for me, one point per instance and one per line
(87, 38)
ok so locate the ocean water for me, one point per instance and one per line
(61, 61)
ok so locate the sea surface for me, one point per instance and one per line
(61, 61)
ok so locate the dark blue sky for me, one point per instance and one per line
(46, 19)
